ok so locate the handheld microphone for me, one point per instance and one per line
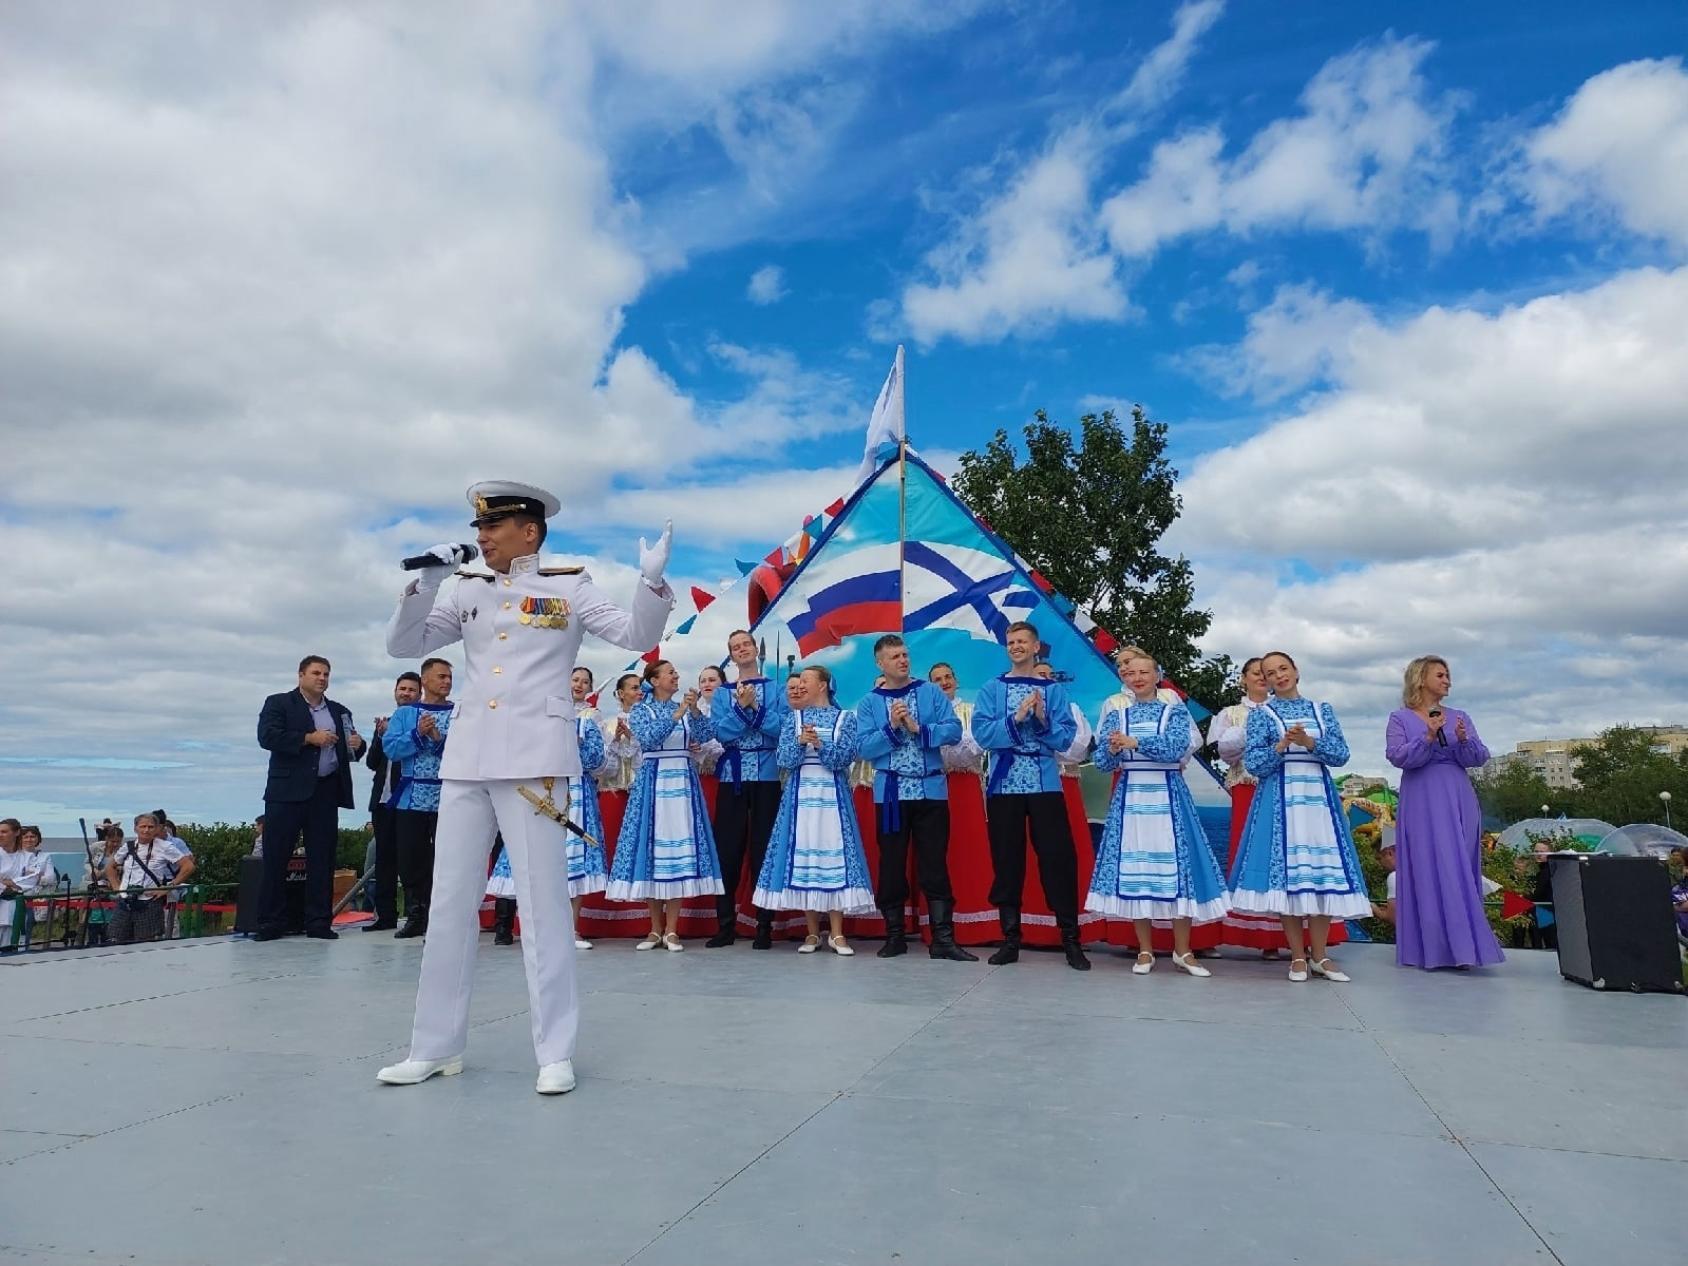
(459, 554)
(1441, 737)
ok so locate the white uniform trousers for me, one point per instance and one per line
(470, 812)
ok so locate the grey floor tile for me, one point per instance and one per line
(1594, 1210)
(746, 1043)
(1550, 1094)
(92, 1087)
(1013, 1185)
(469, 1168)
(18, 1143)
(1321, 1078)
(1239, 992)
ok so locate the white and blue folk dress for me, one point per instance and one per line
(588, 872)
(1153, 860)
(1296, 856)
(666, 850)
(815, 859)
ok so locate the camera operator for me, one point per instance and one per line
(100, 904)
(150, 866)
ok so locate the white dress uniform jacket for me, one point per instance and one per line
(515, 716)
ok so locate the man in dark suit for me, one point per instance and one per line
(312, 743)
(407, 689)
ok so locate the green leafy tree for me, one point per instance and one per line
(1621, 775)
(1515, 790)
(1090, 516)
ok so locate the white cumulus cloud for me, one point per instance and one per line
(767, 285)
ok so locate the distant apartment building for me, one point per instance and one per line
(1555, 759)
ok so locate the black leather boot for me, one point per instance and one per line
(764, 938)
(415, 921)
(726, 920)
(943, 933)
(1009, 917)
(504, 921)
(895, 941)
(1073, 950)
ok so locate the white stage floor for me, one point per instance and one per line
(215, 1102)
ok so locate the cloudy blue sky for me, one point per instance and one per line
(279, 280)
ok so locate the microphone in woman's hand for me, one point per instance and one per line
(1441, 738)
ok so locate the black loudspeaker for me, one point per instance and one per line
(1616, 926)
(248, 894)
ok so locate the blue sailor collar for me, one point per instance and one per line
(897, 692)
(1028, 679)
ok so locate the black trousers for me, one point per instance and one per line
(415, 833)
(319, 819)
(1045, 812)
(384, 885)
(744, 819)
(928, 822)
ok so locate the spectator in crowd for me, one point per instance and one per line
(312, 742)
(149, 867)
(383, 795)
(46, 875)
(19, 874)
(258, 837)
(109, 852)
(1679, 891)
(1385, 909)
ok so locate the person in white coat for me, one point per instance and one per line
(513, 749)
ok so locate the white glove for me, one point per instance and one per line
(431, 578)
(653, 559)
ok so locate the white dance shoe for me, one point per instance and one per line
(556, 1079)
(1189, 964)
(840, 947)
(580, 942)
(673, 944)
(810, 945)
(1331, 972)
(414, 1071)
(651, 941)
(1298, 974)
(1144, 965)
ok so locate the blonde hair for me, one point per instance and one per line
(1126, 653)
(1412, 681)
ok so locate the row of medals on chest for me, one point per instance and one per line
(545, 613)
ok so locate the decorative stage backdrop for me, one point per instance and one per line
(903, 554)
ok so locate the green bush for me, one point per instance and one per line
(218, 848)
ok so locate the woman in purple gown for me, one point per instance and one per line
(1439, 902)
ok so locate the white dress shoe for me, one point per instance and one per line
(1331, 972)
(412, 1071)
(651, 941)
(581, 942)
(673, 944)
(1141, 967)
(810, 945)
(1298, 974)
(840, 947)
(556, 1079)
(1188, 963)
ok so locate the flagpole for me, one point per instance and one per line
(902, 499)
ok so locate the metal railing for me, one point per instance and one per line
(66, 917)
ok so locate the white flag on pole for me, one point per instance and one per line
(887, 425)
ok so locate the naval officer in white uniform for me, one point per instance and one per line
(512, 732)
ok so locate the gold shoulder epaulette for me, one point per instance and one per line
(476, 575)
(561, 571)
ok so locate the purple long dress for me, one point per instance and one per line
(1439, 918)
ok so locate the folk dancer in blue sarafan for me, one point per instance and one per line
(1153, 861)
(747, 718)
(587, 870)
(904, 725)
(1296, 858)
(415, 740)
(815, 861)
(1024, 723)
(666, 852)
